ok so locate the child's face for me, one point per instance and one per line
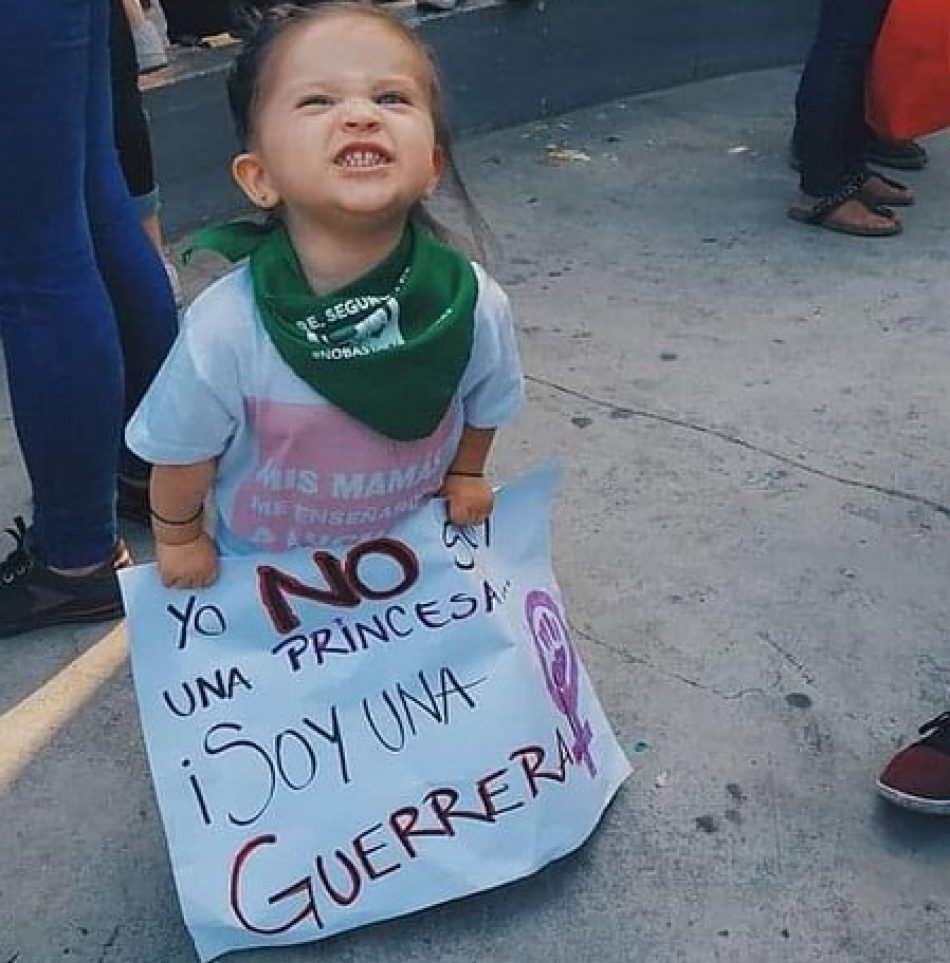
(343, 129)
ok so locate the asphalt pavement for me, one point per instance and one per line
(753, 537)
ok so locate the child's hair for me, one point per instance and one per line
(264, 29)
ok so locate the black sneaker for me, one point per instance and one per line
(32, 596)
(903, 155)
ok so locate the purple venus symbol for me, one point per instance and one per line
(561, 669)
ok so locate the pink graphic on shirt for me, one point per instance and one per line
(561, 669)
(322, 478)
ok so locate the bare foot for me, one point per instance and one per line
(877, 191)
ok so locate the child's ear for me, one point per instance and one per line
(252, 178)
(438, 169)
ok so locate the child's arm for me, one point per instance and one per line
(186, 555)
(469, 496)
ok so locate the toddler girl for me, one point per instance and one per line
(355, 365)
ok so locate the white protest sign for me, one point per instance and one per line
(339, 739)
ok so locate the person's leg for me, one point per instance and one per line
(130, 126)
(149, 45)
(133, 142)
(837, 190)
(829, 133)
(59, 334)
(129, 261)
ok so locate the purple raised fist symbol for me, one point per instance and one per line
(559, 661)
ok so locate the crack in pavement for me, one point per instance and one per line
(794, 662)
(631, 659)
(739, 442)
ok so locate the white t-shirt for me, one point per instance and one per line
(293, 469)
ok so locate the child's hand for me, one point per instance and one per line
(192, 565)
(470, 500)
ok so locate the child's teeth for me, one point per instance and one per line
(362, 159)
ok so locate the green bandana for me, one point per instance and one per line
(389, 348)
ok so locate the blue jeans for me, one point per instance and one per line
(86, 311)
(830, 134)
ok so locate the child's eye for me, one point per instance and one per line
(391, 97)
(316, 100)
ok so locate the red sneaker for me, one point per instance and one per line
(918, 777)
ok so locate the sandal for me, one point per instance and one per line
(820, 214)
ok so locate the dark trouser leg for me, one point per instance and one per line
(131, 267)
(830, 133)
(130, 124)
